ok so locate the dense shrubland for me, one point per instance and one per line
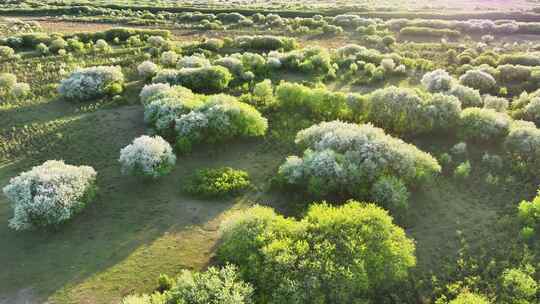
(382, 120)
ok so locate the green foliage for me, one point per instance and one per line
(391, 193)
(217, 182)
(429, 32)
(518, 287)
(483, 125)
(463, 171)
(316, 103)
(322, 249)
(466, 297)
(212, 79)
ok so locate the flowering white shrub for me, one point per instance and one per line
(192, 62)
(169, 58)
(147, 69)
(483, 125)
(345, 158)
(442, 112)
(498, 104)
(274, 63)
(147, 156)
(7, 81)
(532, 111)
(151, 90)
(164, 106)
(49, 194)
(6, 52)
(469, 97)
(233, 64)
(479, 80)
(220, 118)
(398, 110)
(437, 81)
(90, 83)
(20, 90)
(157, 41)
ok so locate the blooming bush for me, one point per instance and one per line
(532, 111)
(523, 146)
(479, 80)
(322, 249)
(164, 107)
(346, 159)
(7, 81)
(6, 52)
(220, 118)
(469, 97)
(211, 79)
(150, 91)
(147, 69)
(90, 83)
(148, 157)
(498, 104)
(317, 103)
(192, 62)
(437, 81)
(169, 58)
(483, 125)
(218, 182)
(49, 194)
(391, 193)
(20, 90)
(442, 112)
(397, 110)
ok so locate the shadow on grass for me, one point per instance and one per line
(128, 218)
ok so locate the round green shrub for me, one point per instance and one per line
(217, 182)
(323, 249)
(483, 125)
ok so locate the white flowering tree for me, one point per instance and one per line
(220, 118)
(90, 83)
(49, 194)
(148, 157)
(346, 159)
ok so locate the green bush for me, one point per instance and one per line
(483, 125)
(322, 249)
(316, 103)
(463, 171)
(391, 193)
(217, 182)
(212, 79)
(429, 32)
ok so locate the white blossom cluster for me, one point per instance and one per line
(49, 194)
(342, 157)
(165, 104)
(437, 81)
(232, 63)
(89, 83)
(220, 118)
(478, 79)
(150, 91)
(147, 156)
(169, 58)
(498, 104)
(147, 69)
(192, 62)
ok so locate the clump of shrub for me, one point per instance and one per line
(265, 43)
(437, 81)
(164, 104)
(469, 97)
(49, 194)
(90, 83)
(321, 249)
(217, 182)
(498, 104)
(317, 103)
(147, 157)
(523, 146)
(483, 125)
(466, 297)
(147, 69)
(518, 286)
(212, 79)
(347, 159)
(479, 80)
(195, 61)
(219, 119)
(215, 285)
